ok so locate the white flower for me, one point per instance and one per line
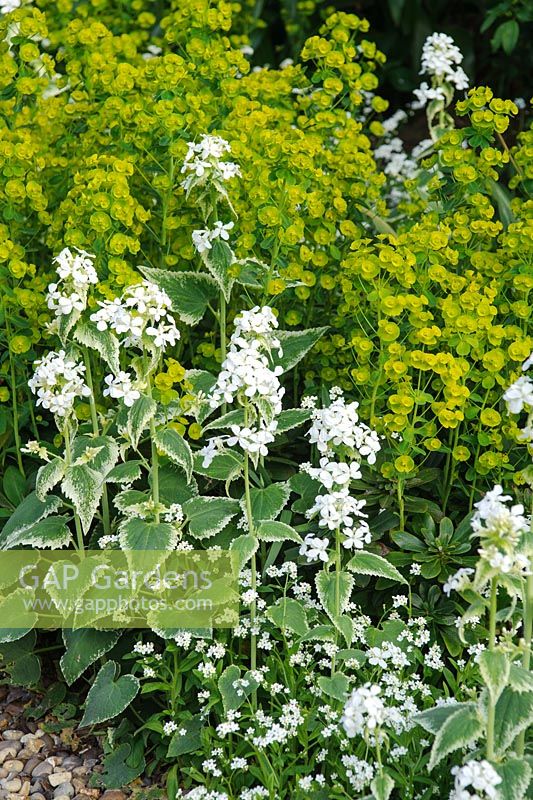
(478, 775)
(457, 582)
(528, 363)
(519, 394)
(332, 473)
(143, 309)
(336, 509)
(76, 272)
(441, 58)
(364, 711)
(120, 387)
(57, 382)
(253, 440)
(174, 513)
(425, 93)
(339, 424)
(170, 728)
(356, 538)
(203, 239)
(314, 549)
(202, 162)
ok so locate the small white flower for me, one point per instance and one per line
(120, 387)
(314, 549)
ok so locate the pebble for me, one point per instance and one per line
(42, 769)
(13, 736)
(30, 764)
(9, 751)
(64, 789)
(57, 778)
(62, 797)
(113, 794)
(38, 796)
(14, 765)
(11, 785)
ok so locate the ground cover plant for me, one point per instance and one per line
(239, 314)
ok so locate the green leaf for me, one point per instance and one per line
(105, 456)
(508, 32)
(406, 541)
(104, 342)
(218, 261)
(174, 486)
(516, 778)
(52, 532)
(30, 511)
(14, 485)
(188, 742)
(296, 344)
(289, 614)
(503, 199)
(138, 417)
(514, 713)
(270, 531)
(26, 670)
(291, 418)
(190, 292)
(125, 473)
(334, 600)
(233, 697)
(108, 696)
(335, 686)
(235, 417)
(83, 486)
(83, 647)
(47, 477)
(494, 667)
(382, 786)
(176, 448)
(267, 503)
(137, 534)
(201, 381)
(122, 766)
(370, 564)
(208, 515)
(433, 719)
(520, 679)
(459, 730)
(244, 546)
(396, 8)
(226, 466)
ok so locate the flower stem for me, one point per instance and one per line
(14, 400)
(491, 710)
(155, 457)
(338, 568)
(77, 523)
(106, 520)
(253, 606)
(401, 506)
(527, 603)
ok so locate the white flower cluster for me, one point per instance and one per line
(519, 397)
(203, 162)
(480, 776)
(339, 424)
(248, 375)
(203, 239)
(142, 311)
(441, 59)
(364, 711)
(120, 387)
(76, 274)
(57, 382)
(500, 529)
(337, 510)
(458, 581)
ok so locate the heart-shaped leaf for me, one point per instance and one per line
(107, 696)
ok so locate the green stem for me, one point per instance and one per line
(155, 458)
(401, 505)
(106, 519)
(527, 602)
(338, 568)
(253, 607)
(14, 400)
(77, 523)
(491, 711)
